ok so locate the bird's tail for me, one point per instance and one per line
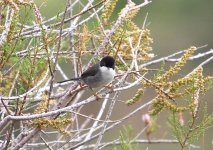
(72, 79)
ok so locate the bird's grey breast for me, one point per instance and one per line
(103, 76)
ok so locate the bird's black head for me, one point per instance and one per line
(108, 61)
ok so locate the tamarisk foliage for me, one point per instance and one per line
(36, 112)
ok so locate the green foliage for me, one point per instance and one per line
(30, 69)
(177, 128)
(192, 130)
(125, 139)
(26, 15)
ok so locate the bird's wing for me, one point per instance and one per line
(91, 71)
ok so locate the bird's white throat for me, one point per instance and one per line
(108, 74)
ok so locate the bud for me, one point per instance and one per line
(146, 119)
(181, 120)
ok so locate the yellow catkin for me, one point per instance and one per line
(136, 98)
(191, 84)
(46, 122)
(108, 10)
(178, 65)
(133, 13)
(42, 105)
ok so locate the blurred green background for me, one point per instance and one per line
(175, 25)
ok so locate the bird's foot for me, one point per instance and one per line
(110, 87)
(97, 96)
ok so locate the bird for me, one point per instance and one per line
(100, 74)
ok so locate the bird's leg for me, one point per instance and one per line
(95, 94)
(109, 86)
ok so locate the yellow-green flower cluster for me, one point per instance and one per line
(161, 102)
(131, 31)
(185, 88)
(15, 4)
(136, 98)
(46, 122)
(131, 14)
(108, 10)
(128, 30)
(42, 107)
(178, 65)
(199, 83)
(57, 123)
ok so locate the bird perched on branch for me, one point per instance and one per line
(99, 74)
